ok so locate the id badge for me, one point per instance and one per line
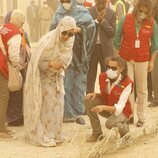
(137, 43)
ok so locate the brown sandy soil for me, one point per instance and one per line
(144, 147)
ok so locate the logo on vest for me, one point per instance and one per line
(4, 31)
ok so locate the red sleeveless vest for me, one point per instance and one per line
(128, 50)
(113, 97)
(6, 32)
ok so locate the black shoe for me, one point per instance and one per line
(153, 104)
(131, 120)
(150, 98)
(140, 124)
(80, 120)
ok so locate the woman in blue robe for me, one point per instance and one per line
(76, 74)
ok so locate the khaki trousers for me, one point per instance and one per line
(119, 121)
(4, 96)
(138, 71)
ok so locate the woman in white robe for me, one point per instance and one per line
(44, 87)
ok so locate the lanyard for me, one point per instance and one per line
(138, 26)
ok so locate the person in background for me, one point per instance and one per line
(11, 38)
(119, 8)
(87, 4)
(33, 20)
(132, 5)
(14, 114)
(112, 102)
(80, 2)
(76, 74)
(105, 20)
(136, 40)
(53, 4)
(127, 5)
(45, 16)
(44, 86)
(154, 74)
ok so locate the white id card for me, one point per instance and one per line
(137, 43)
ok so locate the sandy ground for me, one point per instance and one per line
(144, 147)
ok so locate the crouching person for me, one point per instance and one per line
(112, 102)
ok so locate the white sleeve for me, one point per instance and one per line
(14, 45)
(123, 99)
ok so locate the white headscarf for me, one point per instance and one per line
(48, 45)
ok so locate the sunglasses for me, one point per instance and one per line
(65, 1)
(69, 34)
(114, 68)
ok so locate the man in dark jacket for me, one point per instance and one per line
(105, 20)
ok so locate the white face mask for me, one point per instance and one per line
(111, 73)
(80, 1)
(67, 6)
(141, 15)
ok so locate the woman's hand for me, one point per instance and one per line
(90, 95)
(150, 66)
(98, 108)
(55, 65)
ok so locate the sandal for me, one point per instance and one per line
(9, 131)
(6, 137)
(140, 124)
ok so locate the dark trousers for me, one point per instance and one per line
(95, 58)
(150, 88)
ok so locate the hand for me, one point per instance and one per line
(98, 108)
(55, 65)
(150, 66)
(90, 95)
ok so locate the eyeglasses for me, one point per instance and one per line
(114, 68)
(70, 34)
(65, 1)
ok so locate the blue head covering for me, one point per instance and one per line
(78, 12)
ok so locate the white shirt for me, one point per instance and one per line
(123, 97)
(14, 45)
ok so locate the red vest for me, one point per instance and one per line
(6, 32)
(128, 50)
(113, 97)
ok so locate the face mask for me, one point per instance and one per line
(111, 73)
(80, 1)
(67, 6)
(141, 15)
